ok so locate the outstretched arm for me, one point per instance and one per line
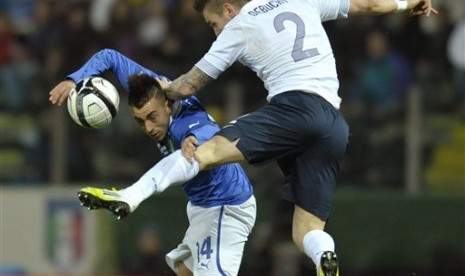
(104, 60)
(413, 7)
(186, 85)
(114, 61)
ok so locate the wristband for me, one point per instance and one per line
(401, 5)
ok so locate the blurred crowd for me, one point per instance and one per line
(381, 61)
(43, 41)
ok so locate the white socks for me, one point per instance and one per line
(173, 169)
(315, 243)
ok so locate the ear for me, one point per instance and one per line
(169, 104)
(230, 9)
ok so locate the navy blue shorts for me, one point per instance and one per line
(306, 135)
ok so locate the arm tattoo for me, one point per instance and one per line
(187, 84)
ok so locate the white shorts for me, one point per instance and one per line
(214, 242)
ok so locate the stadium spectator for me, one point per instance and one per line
(150, 258)
(382, 81)
(377, 98)
(456, 55)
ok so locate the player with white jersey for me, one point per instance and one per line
(221, 208)
(285, 43)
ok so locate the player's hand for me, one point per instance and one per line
(188, 147)
(60, 92)
(164, 82)
(421, 7)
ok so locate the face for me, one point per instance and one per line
(217, 20)
(153, 117)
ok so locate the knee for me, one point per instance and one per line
(217, 151)
(183, 270)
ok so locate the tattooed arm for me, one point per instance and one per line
(186, 85)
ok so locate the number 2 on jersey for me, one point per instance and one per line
(298, 53)
(205, 249)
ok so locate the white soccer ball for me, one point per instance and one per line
(93, 103)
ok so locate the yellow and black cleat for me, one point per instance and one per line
(328, 265)
(96, 198)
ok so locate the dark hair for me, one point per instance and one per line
(142, 88)
(199, 5)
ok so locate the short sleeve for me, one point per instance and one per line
(226, 50)
(333, 9)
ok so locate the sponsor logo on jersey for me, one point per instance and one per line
(194, 124)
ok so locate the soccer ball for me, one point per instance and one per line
(93, 103)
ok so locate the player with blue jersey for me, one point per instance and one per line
(221, 207)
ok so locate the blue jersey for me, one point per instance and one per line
(223, 185)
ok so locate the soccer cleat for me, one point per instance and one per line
(112, 200)
(328, 265)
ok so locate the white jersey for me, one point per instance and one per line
(284, 42)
